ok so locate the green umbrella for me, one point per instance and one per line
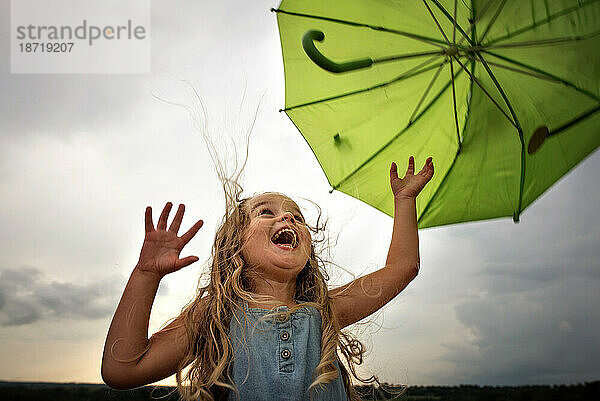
(503, 94)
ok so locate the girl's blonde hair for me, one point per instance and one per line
(209, 351)
(206, 319)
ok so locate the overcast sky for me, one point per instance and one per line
(81, 156)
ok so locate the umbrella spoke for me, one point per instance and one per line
(487, 93)
(388, 143)
(431, 41)
(494, 18)
(436, 2)
(436, 22)
(493, 77)
(475, 20)
(547, 74)
(542, 133)
(435, 98)
(506, 67)
(574, 121)
(410, 120)
(519, 130)
(405, 75)
(454, 102)
(454, 26)
(408, 55)
(543, 22)
(544, 42)
(451, 166)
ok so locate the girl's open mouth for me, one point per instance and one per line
(286, 238)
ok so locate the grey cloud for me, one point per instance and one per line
(564, 259)
(544, 335)
(18, 313)
(532, 315)
(25, 297)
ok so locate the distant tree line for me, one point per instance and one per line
(577, 392)
(11, 391)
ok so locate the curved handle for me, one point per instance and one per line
(319, 59)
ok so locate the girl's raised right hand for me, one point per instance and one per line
(160, 252)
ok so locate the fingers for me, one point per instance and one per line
(427, 170)
(175, 225)
(162, 220)
(177, 220)
(393, 172)
(191, 232)
(181, 263)
(149, 224)
(411, 166)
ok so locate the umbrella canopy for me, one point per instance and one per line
(503, 94)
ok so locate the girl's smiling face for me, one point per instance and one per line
(277, 243)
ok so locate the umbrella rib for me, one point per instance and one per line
(543, 42)
(473, 34)
(439, 94)
(497, 84)
(550, 76)
(436, 2)
(454, 102)
(487, 94)
(454, 26)
(436, 22)
(457, 151)
(410, 120)
(492, 21)
(407, 55)
(405, 75)
(574, 121)
(532, 74)
(447, 173)
(475, 20)
(542, 22)
(431, 41)
(519, 129)
(433, 100)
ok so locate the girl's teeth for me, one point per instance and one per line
(294, 241)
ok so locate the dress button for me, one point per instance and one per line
(283, 318)
(285, 354)
(284, 336)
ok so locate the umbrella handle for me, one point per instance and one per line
(319, 59)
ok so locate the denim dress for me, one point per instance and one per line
(276, 357)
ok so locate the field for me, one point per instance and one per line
(16, 391)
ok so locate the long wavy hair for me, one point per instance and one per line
(209, 352)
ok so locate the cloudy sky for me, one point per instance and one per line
(81, 156)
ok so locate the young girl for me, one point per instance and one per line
(266, 327)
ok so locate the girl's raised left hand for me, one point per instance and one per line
(411, 184)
